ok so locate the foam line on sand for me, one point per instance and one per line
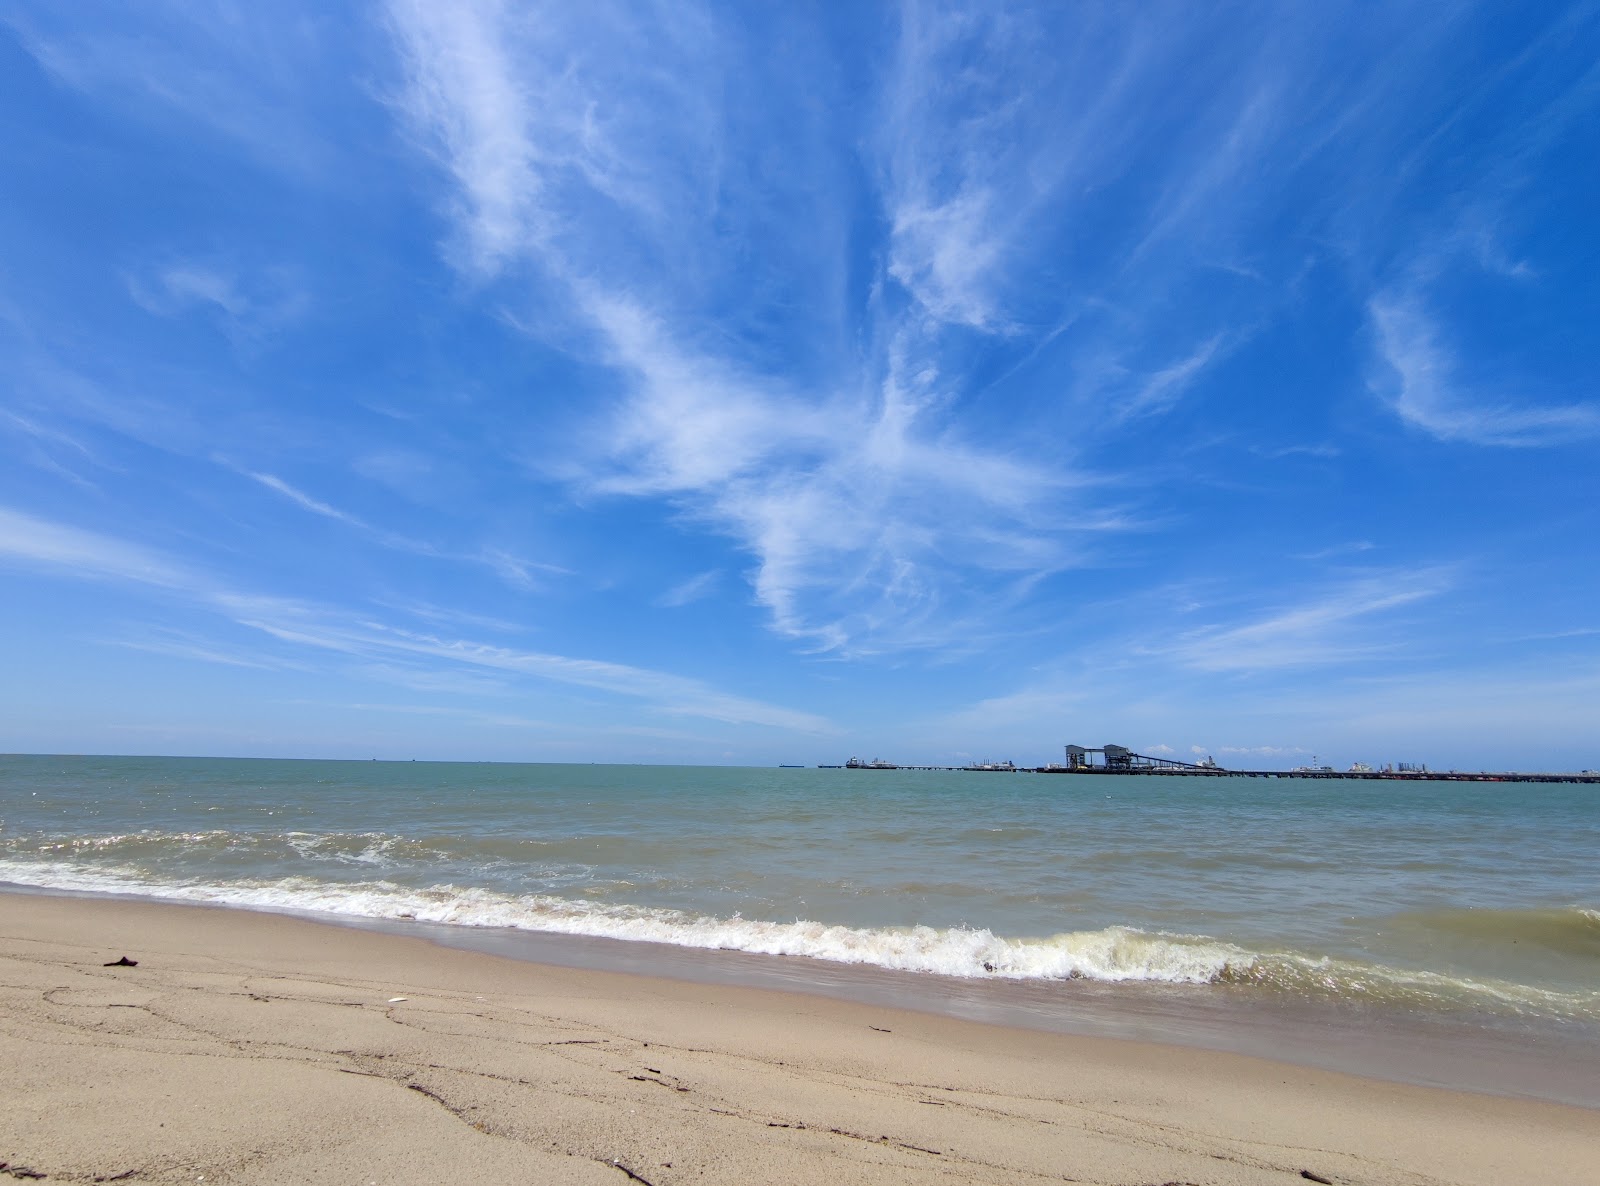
(254, 1048)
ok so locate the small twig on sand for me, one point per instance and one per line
(615, 1164)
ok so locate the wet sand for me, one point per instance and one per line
(256, 1048)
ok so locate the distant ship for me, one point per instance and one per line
(875, 764)
(1006, 766)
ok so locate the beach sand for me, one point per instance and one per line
(257, 1048)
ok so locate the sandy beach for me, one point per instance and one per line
(250, 1048)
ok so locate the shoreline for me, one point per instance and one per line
(1543, 1061)
(255, 1047)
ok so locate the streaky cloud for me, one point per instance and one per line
(41, 543)
(301, 499)
(515, 571)
(694, 589)
(1322, 630)
(81, 554)
(865, 509)
(1426, 391)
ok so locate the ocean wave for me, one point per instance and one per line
(1113, 954)
(155, 847)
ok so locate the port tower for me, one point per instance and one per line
(1119, 759)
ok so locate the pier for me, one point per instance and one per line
(1585, 776)
(1119, 760)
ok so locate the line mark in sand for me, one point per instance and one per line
(663, 1082)
(856, 1136)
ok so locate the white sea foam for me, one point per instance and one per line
(1115, 954)
(1112, 954)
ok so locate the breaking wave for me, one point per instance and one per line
(1114, 954)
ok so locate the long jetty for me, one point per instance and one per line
(1118, 760)
(1585, 776)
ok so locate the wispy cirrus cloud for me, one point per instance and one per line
(1121, 680)
(86, 555)
(41, 543)
(48, 447)
(517, 572)
(696, 587)
(1324, 629)
(862, 504)
(249, 303)
(1161, 390)
(814, 401)
(239, 74)
(1427, 390)
(301, 499)
(183, 644)
(667, 693)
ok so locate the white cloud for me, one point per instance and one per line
(462, 91)
(48, 447)
(53, 546)
(1426, 390)
(1325, 629)
(960, 176)
(1279, 452)
(183, 645)
(521, 574)
(1352, 547)
(861, 506)
(696, 587)
(302, 499)
(452, 616)
(198, 283)
(87, 555)
(666, 693)
(248, 306)
(1161, 390)
(515, 571)
(234, 72)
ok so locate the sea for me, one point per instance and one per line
(1435, 932)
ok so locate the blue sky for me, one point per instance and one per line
(772, 383)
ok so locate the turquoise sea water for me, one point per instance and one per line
(1468, 900)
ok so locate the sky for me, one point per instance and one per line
(746, 383)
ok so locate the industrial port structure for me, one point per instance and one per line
(1119, 759)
